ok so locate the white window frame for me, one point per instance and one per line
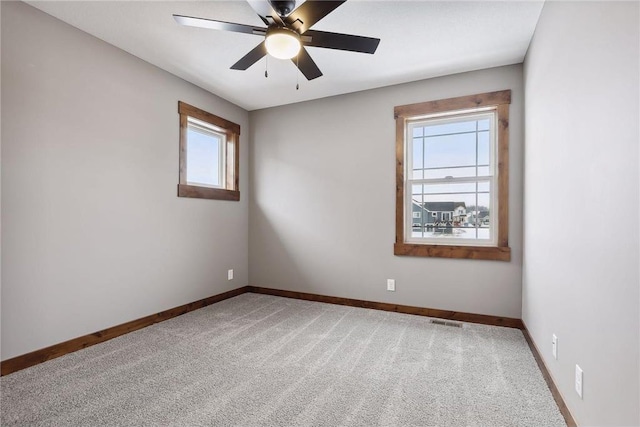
(216, 132)
(492, 178)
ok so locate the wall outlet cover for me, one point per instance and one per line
(391, 285)
(230, 274)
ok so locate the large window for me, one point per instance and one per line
(209, 165)
(452, 169)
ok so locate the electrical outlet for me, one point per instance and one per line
(554, 346)
(391, 285)
(579, 381)
(230, 274)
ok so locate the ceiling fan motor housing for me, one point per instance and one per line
(283, 7)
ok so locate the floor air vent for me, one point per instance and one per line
(446, 323)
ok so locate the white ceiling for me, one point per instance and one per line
(419, 39)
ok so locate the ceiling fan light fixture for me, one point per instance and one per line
(282, 43)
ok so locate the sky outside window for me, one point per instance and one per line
(203, 157)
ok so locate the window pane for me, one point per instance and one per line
(451, 211)
(484, 171)
(483, 186)
(445, 202)
(450, 172)
(484, 199)
(417, 153)
(449, 128)
(203, 161)
(479, 216)
(463, 187)
(452, 150)
(483, 148)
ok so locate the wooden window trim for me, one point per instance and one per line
(500, 100)
(232, 156)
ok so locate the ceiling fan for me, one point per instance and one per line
(287, 33)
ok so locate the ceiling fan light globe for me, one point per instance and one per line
(283, 44)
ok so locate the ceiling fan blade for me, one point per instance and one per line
(275, 19)
(218, 25)
(341, 41)
(310, 12)
(250, 58)
(306, 65)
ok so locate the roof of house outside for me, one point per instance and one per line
(443, 206)
(479, 214)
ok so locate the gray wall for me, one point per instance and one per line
(322, 207)
(93, 234)
(581, 274)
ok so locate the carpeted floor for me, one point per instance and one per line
(263, 360)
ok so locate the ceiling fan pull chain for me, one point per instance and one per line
(298, 71)
(266, 66)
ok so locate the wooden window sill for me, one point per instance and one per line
(196, 192)
(444, 251)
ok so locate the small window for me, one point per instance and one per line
(205, 151)
(452, 160)
(209, 164)
(416, 214)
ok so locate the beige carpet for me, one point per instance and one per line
(259, 360)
